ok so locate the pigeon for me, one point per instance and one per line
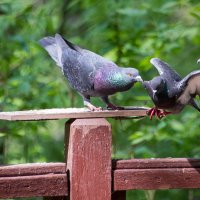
(90, 74)
(169, 91)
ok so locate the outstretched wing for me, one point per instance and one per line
(190, 86)
(165, 70)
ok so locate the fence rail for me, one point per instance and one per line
(32, 180)
(88, 172)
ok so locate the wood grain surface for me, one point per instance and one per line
(63, 113)
(32, 180)
(89, 159)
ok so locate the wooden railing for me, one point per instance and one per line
(89, 173)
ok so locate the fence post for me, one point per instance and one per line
(89, 159)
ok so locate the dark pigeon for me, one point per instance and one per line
(169, 91)
(88, 73)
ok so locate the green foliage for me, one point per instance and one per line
(128, 32)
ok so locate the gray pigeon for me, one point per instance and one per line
(88, 73)
(169, 91)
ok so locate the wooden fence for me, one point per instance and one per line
(89, 173)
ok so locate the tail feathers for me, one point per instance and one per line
(57, 46)
(61, 47)
(63, 43)
(49, 43)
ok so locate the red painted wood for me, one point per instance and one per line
(128, 179)
(32, 169)
(119, 195)
(156, 163)
(33, 186)
(67, 134)
(89, 159)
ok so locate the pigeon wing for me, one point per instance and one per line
(79, 65)
(75, 66)
(190, 86)
(165, 70)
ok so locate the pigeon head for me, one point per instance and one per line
(111, 80)
(158, 85)
(198, 61)
(155, 87)
(131, 74)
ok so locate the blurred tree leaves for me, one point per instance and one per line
(128, 32)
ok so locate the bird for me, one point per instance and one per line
(88, 73)
(169, 92)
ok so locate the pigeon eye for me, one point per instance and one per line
(129, 74)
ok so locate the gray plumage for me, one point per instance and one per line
(169, 91)
(88, 73)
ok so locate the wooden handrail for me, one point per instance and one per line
(72, 113)
(51, 179)
(156, 163)
(32, 180)
(88, 172)
(165, 173)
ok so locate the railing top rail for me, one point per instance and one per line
(63, 113)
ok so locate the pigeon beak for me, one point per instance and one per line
(138, 78)
(198, 61)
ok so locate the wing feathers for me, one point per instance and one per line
(165, 69)
(191, 87)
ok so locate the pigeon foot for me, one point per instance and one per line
(113, 107)
(155, 112)
(163, 114)
(92, 107)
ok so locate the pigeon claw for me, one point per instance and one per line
(163, 114)
(94, 108)
(91, 107)
(113, 107)
(155, 112)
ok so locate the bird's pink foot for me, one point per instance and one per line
(113, 107)
(163, 114)
(157, 112)
(154, 112)
(94, 108)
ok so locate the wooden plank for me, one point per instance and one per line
(32, 169)
(33, 186)
(156, 163)
(62, 113)
(89, 159)
(151, 179)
